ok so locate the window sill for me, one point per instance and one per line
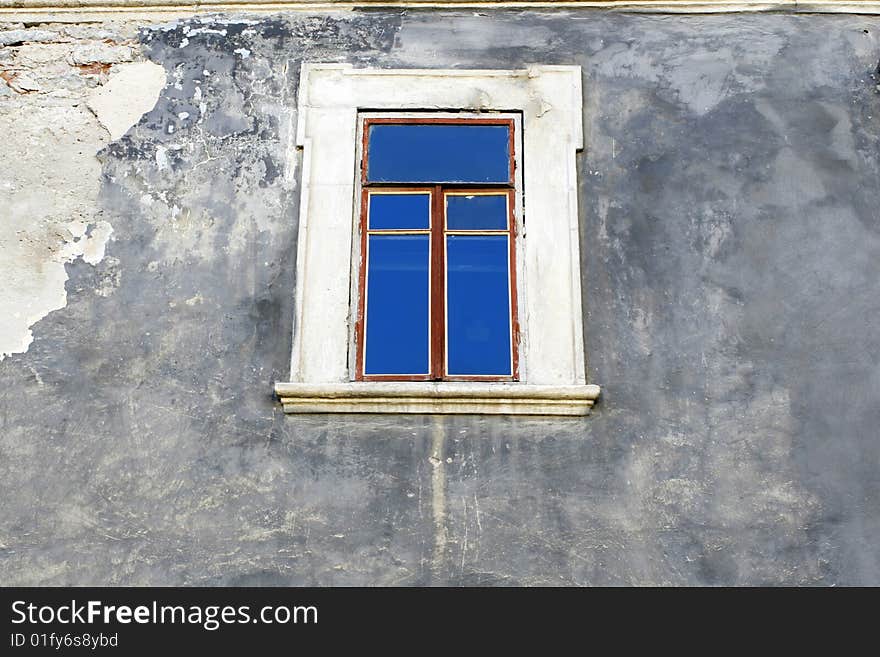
(407, 397)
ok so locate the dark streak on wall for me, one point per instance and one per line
(731, 248)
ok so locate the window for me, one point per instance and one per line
(471, 302)
(437, 285)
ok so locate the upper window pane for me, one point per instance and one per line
(476, 212)
(438, 153)
(400, 211)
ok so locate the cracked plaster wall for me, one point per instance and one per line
(730, 248)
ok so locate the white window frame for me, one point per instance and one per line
(552, 369)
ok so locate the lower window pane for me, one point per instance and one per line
(397, 315)
(478, 305)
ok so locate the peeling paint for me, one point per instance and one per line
(131, 92)
(34, 288)
(51, 145)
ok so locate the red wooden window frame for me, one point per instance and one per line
(437, 270)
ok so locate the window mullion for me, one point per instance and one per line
(438, 288)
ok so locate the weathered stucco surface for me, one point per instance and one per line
(49, 175)
(731, 247)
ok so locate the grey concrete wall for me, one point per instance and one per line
(731, 249)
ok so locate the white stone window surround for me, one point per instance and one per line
(552, 373)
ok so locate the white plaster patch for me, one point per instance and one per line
(131, 92)
(161, 160)
(203, 30)
(35, 288)
(95, 245)
(51, 178)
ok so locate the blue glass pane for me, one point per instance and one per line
(436, 153)
(477, 305)
(476, 212)
(397, 304)
(400, 211)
